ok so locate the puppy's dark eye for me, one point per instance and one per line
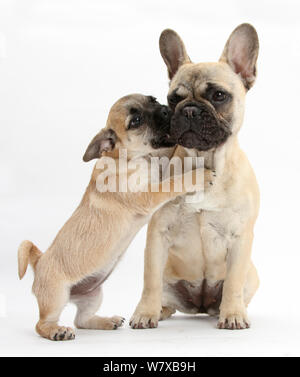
(135, 122)
(219, 96)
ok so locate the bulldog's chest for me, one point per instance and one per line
(216, 198)
(198, 202)
(220, 213)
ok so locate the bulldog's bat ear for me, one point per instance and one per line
(104, 141)
(241, 51)
(172, 51)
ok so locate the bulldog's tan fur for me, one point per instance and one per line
(198, 256)
(92, 241)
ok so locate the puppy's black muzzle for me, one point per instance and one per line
(196, 126)
(161, 127)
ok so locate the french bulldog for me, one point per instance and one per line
(198, 255)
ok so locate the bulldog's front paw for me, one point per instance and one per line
(233, 320)
(144, 320)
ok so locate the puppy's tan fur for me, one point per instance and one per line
(89, 245)
(198, 256)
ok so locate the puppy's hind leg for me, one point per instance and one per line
(51, 302)
(87, 305)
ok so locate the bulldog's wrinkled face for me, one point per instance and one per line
(203, 108)
(208, 98)
(136, 123)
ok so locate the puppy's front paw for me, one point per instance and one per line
(209, 179)
(233, 321)
(144, 320)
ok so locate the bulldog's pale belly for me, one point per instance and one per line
(193, 297)
(196, 265)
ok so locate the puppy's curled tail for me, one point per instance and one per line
(27, 253)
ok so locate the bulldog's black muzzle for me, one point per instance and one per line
(194, 125)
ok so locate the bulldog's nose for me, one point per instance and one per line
(191, 112)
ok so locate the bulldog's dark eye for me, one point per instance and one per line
(174, 99)
(135, 122)
(219, 96)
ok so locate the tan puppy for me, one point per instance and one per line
(89, 245)
(201, 262)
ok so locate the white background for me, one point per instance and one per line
(62, 65)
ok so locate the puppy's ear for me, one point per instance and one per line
(241, 51)
(172, 51)
(104, 141)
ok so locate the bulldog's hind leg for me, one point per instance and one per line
(166, 313)
(87, 305)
